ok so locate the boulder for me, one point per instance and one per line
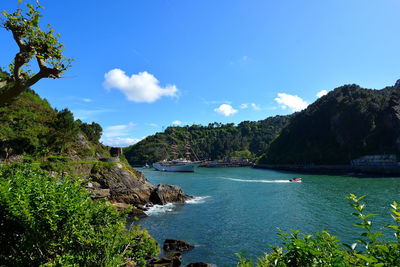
(177, 245)
(173, 259)
(165, 193)
(134, 211)
(198, 264)
(101, 193)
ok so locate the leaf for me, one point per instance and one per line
(368, 259)
(370, 215)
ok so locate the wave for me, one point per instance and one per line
(159, 209)
(197, 200)
(255, 181)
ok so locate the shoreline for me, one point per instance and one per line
(334, 169)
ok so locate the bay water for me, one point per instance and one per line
(238, 210)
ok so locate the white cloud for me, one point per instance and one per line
(293, 102)
(118, 130)
(119, 135)
(153, 125)
(322, 93)
(244, 58)
(244, 106)
(215, 102)
(176, 122)
(121, 141)
(141, 87)
(255, 107)
(87, 114)
(87, 100)
(226, 110)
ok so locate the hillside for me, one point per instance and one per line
(347, 123)
(216, 141)
(31, 131)
(31, 127)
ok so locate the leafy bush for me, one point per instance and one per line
(58, 159)
(51, 221)
(28, 159)
(324, 249)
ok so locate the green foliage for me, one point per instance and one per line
(26, 124)
(30, 126)
(58, 159)
(52, 221)
(39, 44)
(214, 141)
(92, 131)
(323, 249)
(347, 123)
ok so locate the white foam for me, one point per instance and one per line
(159, 209)
(197, 200)
(256, 181)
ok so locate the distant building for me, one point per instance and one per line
(115, 151)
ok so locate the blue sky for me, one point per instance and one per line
(144, 65)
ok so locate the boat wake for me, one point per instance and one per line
(197, 200)
(255, 181)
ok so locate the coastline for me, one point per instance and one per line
(334, 169)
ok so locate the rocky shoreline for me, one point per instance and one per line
(126, 187)
(334, 169)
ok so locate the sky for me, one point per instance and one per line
(141, 66)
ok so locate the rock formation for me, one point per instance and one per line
(177, 245)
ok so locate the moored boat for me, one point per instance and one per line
(179, 165)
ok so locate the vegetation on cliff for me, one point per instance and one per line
(30, 126)
(347, 123)
(52, 221)
(323, 249)
(215, 141)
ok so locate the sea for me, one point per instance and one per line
(239, 210)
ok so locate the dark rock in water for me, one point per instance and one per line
(165, 193)
(137, 213)
(173, 259)
(134, 212)
(198, 264)
(141, 207)
(177, 245)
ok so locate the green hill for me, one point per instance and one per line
(216, 141)
(347, 123)
(31, 127)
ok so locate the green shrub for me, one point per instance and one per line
(53, 222)
(28, 159)
(58, 159)
(323, 249)
(48, 166)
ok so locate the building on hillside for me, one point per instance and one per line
(116, 151)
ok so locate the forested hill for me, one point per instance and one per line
(347, 123)
(29, 126)
(216, 141)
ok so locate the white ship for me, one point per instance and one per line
(177, 165)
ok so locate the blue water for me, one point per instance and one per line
(239, 209)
